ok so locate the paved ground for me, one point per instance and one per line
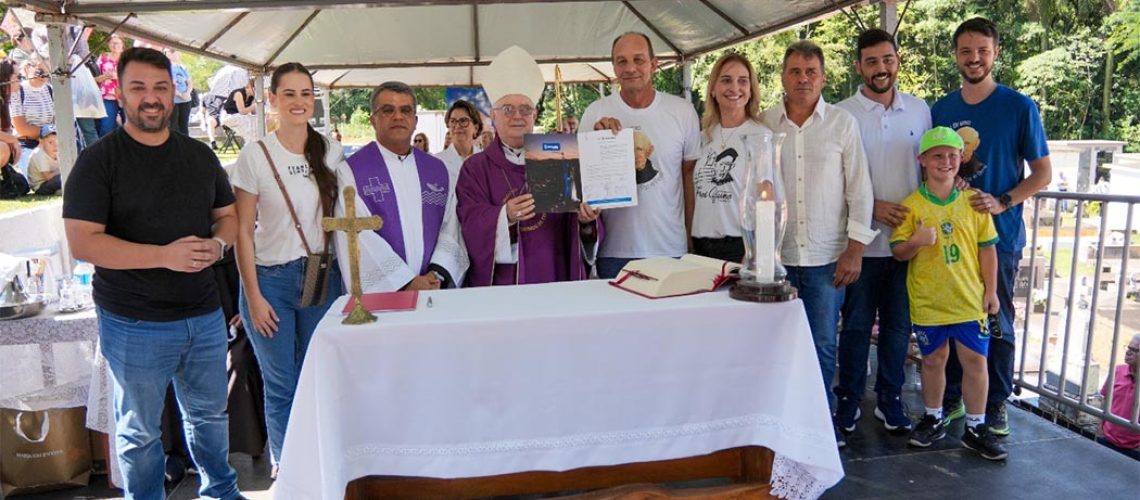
(1046, 462)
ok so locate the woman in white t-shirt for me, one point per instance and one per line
(464, 125)
(272, 250)
(732, 113)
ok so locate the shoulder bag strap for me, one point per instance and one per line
(285, 194)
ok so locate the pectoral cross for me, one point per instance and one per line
(352, 225)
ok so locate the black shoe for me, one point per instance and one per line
(891, 411)
(175, 469)
(847, 414)
(214, 145)
(997, 420)
(952, 410)
(929, 430)
(840, 441)
(981, 440)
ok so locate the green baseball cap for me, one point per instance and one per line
(940, 136)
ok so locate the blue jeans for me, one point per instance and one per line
(25, 157)
(1000, 359)
(87, 130)
(144, 357)
(821, 302)
(281, 356)
(1132, 453)
(609, 267)
(107, 125)
(881, 289)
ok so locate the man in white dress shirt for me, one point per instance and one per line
(891, 124)
(828, 194)
(410, 190)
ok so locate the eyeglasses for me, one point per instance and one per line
(510, 110)
(460, 122)
(388, 110)
(419, 139)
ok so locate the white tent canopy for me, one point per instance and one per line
(437, 42)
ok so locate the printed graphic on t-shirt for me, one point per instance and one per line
(714, 176)
(972, 168)
(301, 170)
(642, 150)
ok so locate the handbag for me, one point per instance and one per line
(317, 265)
(43, 450)
(13, 184)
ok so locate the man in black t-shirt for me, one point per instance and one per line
(152, 211)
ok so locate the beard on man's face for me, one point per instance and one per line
(149, 123)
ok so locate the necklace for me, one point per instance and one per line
(723, 139)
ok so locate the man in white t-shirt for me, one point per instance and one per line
(828, 194)
(669, 142)
(891, 124)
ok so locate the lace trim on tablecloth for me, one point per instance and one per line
(60, 396)
(100, 407)
(791, 480)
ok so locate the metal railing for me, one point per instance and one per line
(1065, 365)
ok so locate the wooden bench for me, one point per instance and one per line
(750, 465)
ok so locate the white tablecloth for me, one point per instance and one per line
(556, 377)
(46, 360)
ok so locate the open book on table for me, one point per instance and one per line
(659, 277)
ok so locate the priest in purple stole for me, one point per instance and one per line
(507, 242)
(419, 246)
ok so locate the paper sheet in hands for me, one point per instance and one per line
(562, 170)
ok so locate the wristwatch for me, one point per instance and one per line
(1006, 200)
(222, 246)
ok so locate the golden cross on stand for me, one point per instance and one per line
(351, 224)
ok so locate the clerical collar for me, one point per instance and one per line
(514, 155)
(388, 154)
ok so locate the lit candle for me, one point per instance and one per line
(765, 239)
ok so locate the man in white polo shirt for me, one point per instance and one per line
(891, 124)
(828, 194)
(666, 148)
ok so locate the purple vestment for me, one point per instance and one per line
(374, 185)
(549, 245)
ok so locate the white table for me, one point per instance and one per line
(47, 360)
(556, 377)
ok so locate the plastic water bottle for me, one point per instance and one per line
(84, 273)
(66, 294)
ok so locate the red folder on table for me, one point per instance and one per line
(386, 301)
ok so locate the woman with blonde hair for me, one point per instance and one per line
(732, 113)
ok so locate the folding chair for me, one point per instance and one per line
(232, 140)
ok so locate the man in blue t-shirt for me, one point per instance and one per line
(1002, 131)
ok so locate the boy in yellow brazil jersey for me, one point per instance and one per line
(952, 286)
